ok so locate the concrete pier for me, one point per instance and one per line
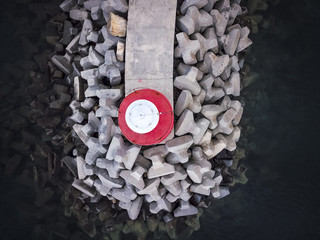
(149, 47)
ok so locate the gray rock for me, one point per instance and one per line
(178, 149)
(84, 188)
(188, 82)
(186, 124)
(194, 21)
(185, 209)
(244, 41)
(187, 3)
(187, 48)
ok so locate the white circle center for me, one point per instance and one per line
(142, 116)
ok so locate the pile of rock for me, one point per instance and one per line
(175, 177)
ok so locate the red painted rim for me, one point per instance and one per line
(165, 124)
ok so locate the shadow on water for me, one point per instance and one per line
(281, 198)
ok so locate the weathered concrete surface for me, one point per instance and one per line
(149, 46)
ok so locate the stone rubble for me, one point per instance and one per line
(104, 163)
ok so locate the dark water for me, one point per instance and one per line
(281, 199)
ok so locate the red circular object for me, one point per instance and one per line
(164, 126)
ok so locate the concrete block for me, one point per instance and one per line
(235, 10)
(187, 48)
(62, 63)
(143, 162)
(232, 86)
(134, 210)
(91, 75)
(89, 170)
(94, 57)
(87, 27)
(84, 188)
(220, 21)
(168, 218)
(160, 150)
(224, 191)
(134, 177)
(78, 116)
(71, 163)
(185, 209)
(232, 42)
(211, 39)
(194, 173)
(114, 168)
(108, 100)
(79, 14)
(89, 4)
(225, 130)
(162, 204)
(222, 5)
(109, 40)
(96, 14)
(213, 64)
(125, 206)
(112, 68)
(185, 194)
(188, 82)
(211, 112)
(94, 144)
(80, 167)
(102, 163)
(215, 191)
(194, 21)
(244, 41)
(238, 117)
(179, 174)
(99, 48)
(125, 195)
(178, 149)
(231, 139)
(226, 118)
(218, 178)
(188, 3)
(77, 129)
(109, 182)
(186, 101)
(209, 6)
(186, 183)
(174, 188)
(212, 93)
(90, 180)
(88, 103)
(171, 198)
(78, 88)
(116, 25)
(205, 44)
(215, 147)
(183, 69)
(123, 153)
(107, 130)
(102, 189)
(159, 167)
(186, 124)
(204, 187)
(120, 50)
(73, 46)
(85, 63)
(151, 188)
(67, 5)
(114, 5)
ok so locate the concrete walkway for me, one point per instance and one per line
(149, 47)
